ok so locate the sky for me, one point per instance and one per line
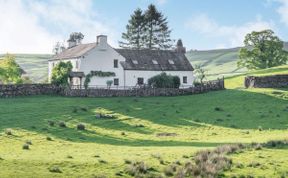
(34, 26)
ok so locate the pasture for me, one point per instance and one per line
(159, 131)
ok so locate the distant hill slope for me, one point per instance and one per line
(36, 65)
(222, 62)
(217, 62)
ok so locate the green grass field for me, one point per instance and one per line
(156, 130)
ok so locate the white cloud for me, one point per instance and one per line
(282, 10)
(161, 2)
(34, 26)
(231, 36)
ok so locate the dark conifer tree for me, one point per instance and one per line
(157, 32)
(134, 36)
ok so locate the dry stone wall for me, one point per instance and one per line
(274, 81)
(47, 89)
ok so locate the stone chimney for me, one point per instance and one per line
(71, 44)
(102, 42)
(179, 47)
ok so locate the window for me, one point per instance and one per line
(171, 61)
(185, 79)
(154, 62)
(116, 81)
(115, 63)
(53, 64)
(140, 81)
(135, 61)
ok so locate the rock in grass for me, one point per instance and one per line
(8, 132)
(25, 146)
(49, 138)
(62, 124)
(80, 127)
(218, 109)
(51, 123)
(55, 169)
(29, 142)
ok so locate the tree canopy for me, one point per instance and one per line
(60, 73)
(76, 37)
(10, 71)
(262, 50)
(148, 30)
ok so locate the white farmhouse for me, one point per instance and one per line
(124, 67)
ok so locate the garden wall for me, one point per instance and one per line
(209, 86)
(28, 90)
(47, 89)
(274, 81)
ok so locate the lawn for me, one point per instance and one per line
(156, 130)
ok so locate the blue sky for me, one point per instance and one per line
(33, 26)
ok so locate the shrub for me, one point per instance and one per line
(62, 124)
(80, 127)
(60, 73)
(137, 168)
(170, 170)
(164, 81)
(123, 133)
(55, 169)
(25, 146)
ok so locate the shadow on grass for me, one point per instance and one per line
(230, 108)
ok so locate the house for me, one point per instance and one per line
(122, 67)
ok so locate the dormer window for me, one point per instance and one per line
(154, 62)
(171, 61)
(135, 61)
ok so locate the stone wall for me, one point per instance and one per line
(274, 81)
(28, 89)
(142, 92)
(47, 89)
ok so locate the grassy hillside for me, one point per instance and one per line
(157, 130)
(35, 65)
(218, 63)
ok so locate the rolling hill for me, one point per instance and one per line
(218, 63)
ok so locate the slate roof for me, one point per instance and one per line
(144, 60)
(75, 52)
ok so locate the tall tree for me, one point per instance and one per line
(76, 37)
(157, 34)
(134, 31)
(262, 50)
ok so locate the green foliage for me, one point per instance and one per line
(76, 37)
(60, 73)
(147, 30)
(98, 74)
(164, 81)
(200, 73)
(262, 50)
(10, 71)
(134, 31)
